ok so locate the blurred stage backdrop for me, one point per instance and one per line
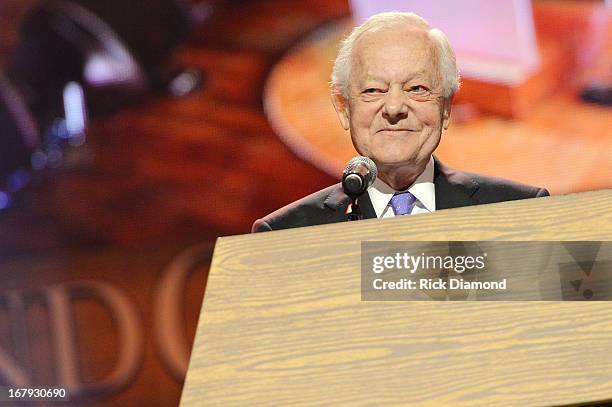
(135, 132)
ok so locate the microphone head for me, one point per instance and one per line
(359, 173)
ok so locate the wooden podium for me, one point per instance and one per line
(283, 324)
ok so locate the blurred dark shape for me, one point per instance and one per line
(601, 95)
(117, 50)
(18, 137)
(75, 57)
(200, 12)
(151, 29)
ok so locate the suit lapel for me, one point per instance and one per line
(454, 189)
(365, 204)
(338, 201)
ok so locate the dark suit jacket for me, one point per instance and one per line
(453, 189)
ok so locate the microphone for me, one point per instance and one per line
(359, 173)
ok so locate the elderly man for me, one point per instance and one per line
(392, 86)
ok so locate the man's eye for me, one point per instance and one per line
(418, 89)
(372, 90)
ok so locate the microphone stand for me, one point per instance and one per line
(355, 212)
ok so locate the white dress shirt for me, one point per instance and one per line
(423, 189)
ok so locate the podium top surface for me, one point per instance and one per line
(283, 323)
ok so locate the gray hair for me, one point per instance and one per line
(448, 64)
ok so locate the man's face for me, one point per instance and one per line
(395, 109)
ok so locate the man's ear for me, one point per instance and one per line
(446, 112)
(341, 105)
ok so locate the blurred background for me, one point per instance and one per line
(134, 133)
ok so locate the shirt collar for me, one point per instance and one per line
(423, 189)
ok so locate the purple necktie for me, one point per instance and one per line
(402, 203)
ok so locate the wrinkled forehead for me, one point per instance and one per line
(401, 32)
(390, 45)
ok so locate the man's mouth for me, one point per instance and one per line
(394, 129)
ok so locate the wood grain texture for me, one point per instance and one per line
(282, 322)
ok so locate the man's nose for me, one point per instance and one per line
(395, 107)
